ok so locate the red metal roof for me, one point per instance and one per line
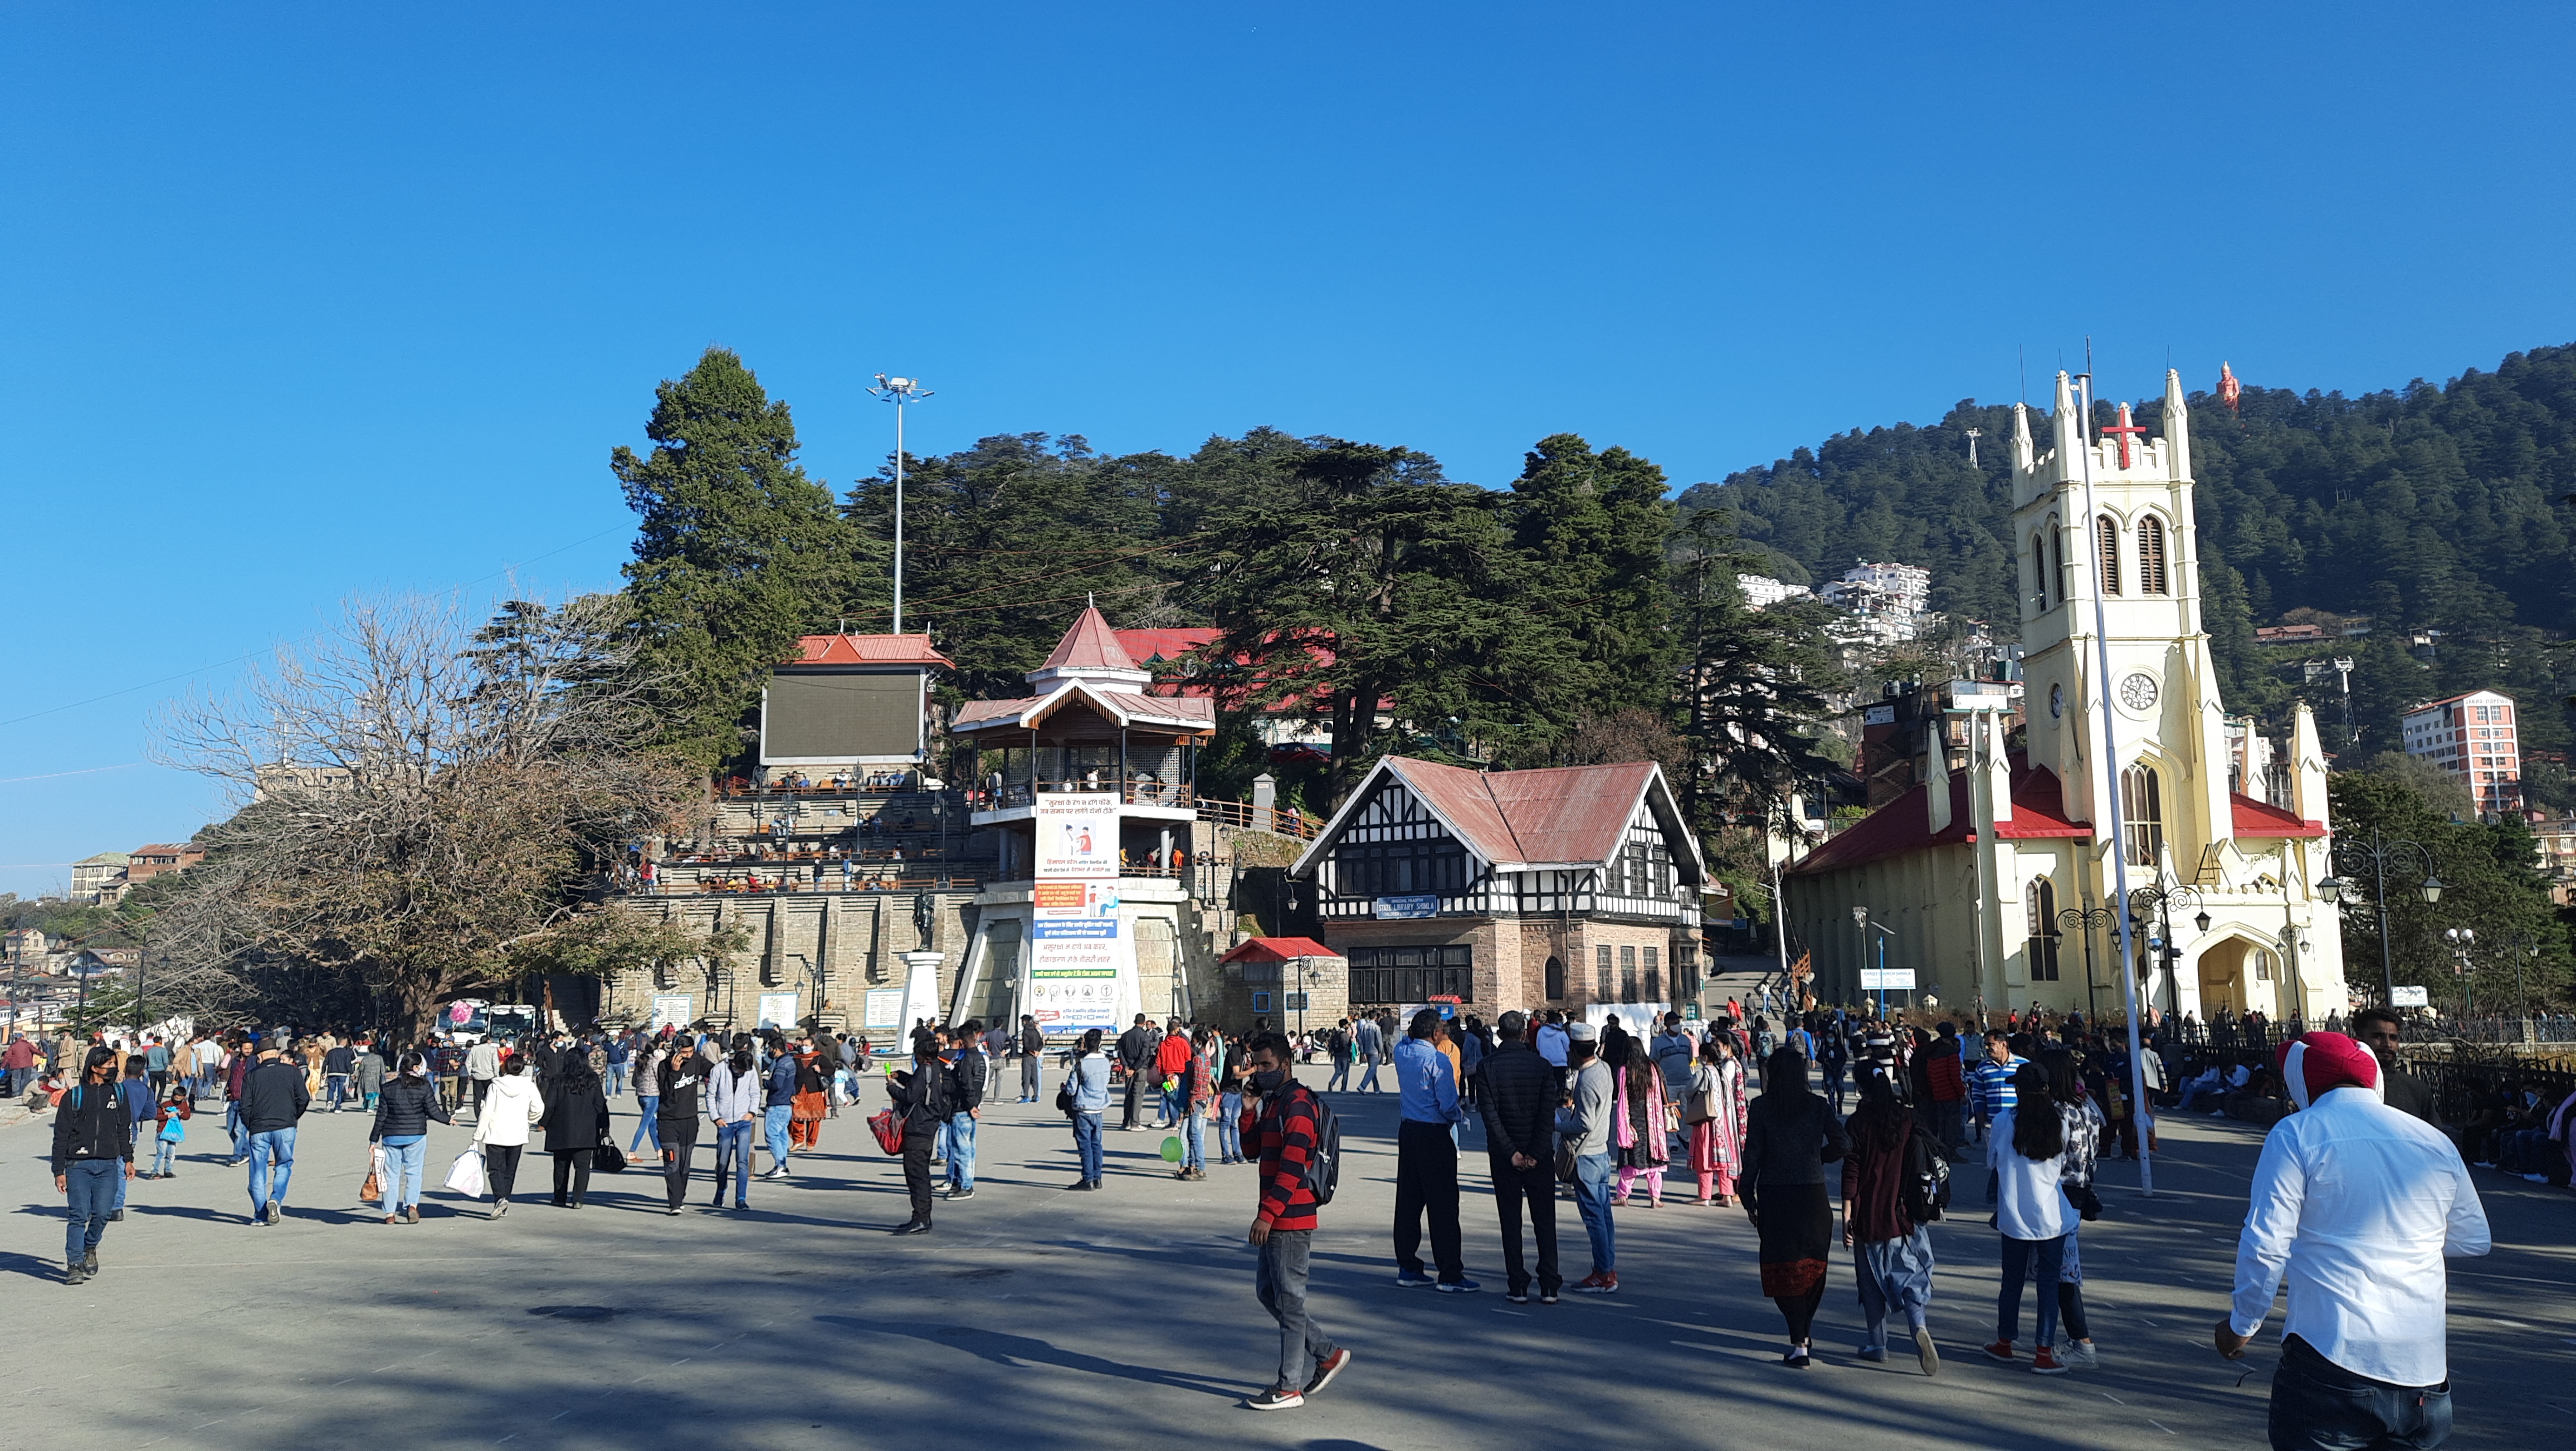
(1277, 949)
(1556, 814)
(1905, 824)
(1090, 645)
(2262, 819)
(868, 650)
(1144, 646)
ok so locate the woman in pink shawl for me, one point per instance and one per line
(1642, 1124)
(1717, 1140)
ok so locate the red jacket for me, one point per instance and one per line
(1949, 1085)
(1174, 1056)
(1281, 1135)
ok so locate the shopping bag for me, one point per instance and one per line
(465, 1176)
(609, 1160)
(888, 1129)
(374, 1189)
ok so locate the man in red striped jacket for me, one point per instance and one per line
(1282, 1133)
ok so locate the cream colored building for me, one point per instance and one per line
(1965, 877)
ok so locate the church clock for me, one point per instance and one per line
(2138, 691)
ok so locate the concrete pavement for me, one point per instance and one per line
(1121, 1317)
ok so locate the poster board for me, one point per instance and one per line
(1073, 972)
(777, 1010)
(671, 1010)
(1077, 834)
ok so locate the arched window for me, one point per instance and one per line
(2106, 550)
(2142, 806)
(2152, 578)
(2043, 930)
(2038, 572)
(1556, 979)
(2057, 558)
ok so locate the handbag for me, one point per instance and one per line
(1565, 1173)
(888, 1129)
(609, 1160)
(465, 1176)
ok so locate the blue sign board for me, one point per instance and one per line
(1398, 907)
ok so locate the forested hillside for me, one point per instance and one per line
(2436, 512)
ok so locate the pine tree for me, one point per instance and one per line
(739, 553)
(1592, 528)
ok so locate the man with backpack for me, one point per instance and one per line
(1297, 1142)
(1338, 1047)
(1833, 1055)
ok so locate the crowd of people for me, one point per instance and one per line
(1753, 1113)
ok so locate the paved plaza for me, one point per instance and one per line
(1119, 1318)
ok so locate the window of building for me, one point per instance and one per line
(2106, 550)
(1605, 988)
(2044, 939)
(1628, 974)
(1556, 979)
(1412, 974)
(2142, 805)
(1261, 1002)
(1654, 977)
(1428, 865)
(2262, 965)
(2151, 556)
(2057, 559)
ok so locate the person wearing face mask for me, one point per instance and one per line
(403, 1115)
(1287, 1139)
(679, 1079)
(733, 1103)
(93, 1153)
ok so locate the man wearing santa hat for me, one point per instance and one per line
(2356, 1203)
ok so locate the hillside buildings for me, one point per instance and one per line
(2473, 739)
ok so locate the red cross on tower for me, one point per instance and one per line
(2126, 431)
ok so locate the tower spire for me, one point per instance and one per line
(2177, 428)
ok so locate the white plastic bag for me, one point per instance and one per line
(465, 1176)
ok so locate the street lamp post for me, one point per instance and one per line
(2160, 899)
(2521, 947)
(1860, 919)
(898, 391)
(2086, 920)
(2352, 853)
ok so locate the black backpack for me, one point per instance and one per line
(1324, 1168)
(1927, 1179)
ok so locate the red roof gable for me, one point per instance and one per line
(1148, 645)
(1905, 824)
(1555, 814)
(1090, 645)
(867, 650)
(1277, 949)
(2262, 819)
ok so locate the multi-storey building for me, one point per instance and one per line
(2474, 739)
(1761, 591)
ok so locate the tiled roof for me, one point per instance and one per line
(1148, 645)
(867, 650)
(1089, 645)
(1905, 824)
(1127, 706)
(2262, 819)
(1277, 949)
(1558, 814)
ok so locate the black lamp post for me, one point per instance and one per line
(2378, 854)
(2521, 947)
(2461, 939)
(2086, 920)
(2161, 900)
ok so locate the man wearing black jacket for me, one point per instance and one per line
(1520, 1100)
(1032, 1056)
(924, 1096)
(273, 1098)
(93, 1150)
(973, 1070)
(1136, 1054)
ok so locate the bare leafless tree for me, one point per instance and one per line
(422, 806)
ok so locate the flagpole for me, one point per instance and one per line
(2111, 773)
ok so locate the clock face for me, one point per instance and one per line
(2138, 691)
(2056, 701)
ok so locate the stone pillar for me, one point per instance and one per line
(1265, 796)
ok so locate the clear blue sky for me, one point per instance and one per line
(300, 302)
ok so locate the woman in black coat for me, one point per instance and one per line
(576, 1124)
(1790, 1136)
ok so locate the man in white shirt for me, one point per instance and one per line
(2356, 1204)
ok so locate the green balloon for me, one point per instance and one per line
(1172, 1150)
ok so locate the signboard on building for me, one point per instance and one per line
(777, 1010)
(670, 1010)
(1406, 907)
(885, 1007)
(1077, 834)
(1073, 973)
(1074, 899)
(2412, 997)
(1886, 979)
(1878, 715)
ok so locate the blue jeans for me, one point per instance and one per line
(1592, 1177)
(1229, 1127)
(281, 1144)
(2042, 1260)
(404, 1157)
(1193, 1152)
(961, 1153)
(1086, 1144)
(648, 1131)
(1169, 1104)
(733, 1144)
(336, 1085)
(162, 1154)
(2318, 1405)
(1368, 1080)
(773, 1127)
(616, 1079)
(89, 1190)
(233, 1127)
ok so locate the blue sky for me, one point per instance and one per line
(302, 302)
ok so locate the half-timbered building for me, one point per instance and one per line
(1510, 889)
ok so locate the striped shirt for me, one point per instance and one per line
(1284, 1131)
(1990, 1085)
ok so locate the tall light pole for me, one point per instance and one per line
(2461, 940)
(1860, 919)
(2521, 947)
(2111, 768)
(2377, 853)
(2084, 920)
(899, 391)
